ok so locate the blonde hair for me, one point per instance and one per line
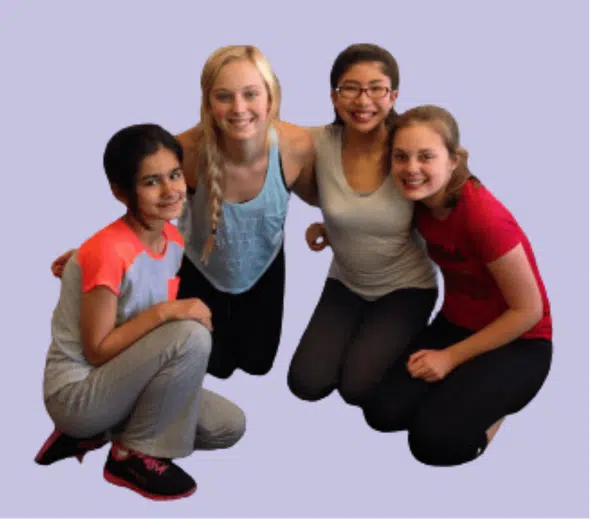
(213, 157)
(446, 126)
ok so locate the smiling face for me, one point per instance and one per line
(364, 96)
(422, 166)
(160, 187)
(239, 100)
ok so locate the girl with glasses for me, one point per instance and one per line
(381, 286)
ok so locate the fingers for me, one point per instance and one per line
(316, 237)
(317, 246)
(206, 321)
(416, 356)
(420, 371)
(57, 270)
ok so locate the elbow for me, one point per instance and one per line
(537, 313)
(533, 315)
(92, 355)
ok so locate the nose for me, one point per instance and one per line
(238, 104)
(413, 165)
(363, 97)
(166, 189)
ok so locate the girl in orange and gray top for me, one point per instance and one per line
(127, 360)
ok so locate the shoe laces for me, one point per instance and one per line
(152, 463)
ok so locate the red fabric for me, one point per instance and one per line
(478, 231)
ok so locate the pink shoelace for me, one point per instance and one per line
(152, 463)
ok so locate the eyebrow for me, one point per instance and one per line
(148, 176)
(373, 81)
(243, 88)
(422, 150)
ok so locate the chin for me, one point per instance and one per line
(367, 127)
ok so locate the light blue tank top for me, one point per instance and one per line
(249, 235)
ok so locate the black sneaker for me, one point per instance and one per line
(154, 478)
(60, 446)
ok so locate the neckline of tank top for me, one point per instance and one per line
(273, 150)
(341, 175)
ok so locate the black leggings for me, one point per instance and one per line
(350, 343)
(447, 421)
(246, 326)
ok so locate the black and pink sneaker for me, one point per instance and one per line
(154, 478)
(60, 446)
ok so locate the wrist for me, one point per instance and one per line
(164, 311)
(455, 354)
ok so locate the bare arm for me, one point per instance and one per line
(515, 278)
(299, 157)
(305, 185)
(102, 341)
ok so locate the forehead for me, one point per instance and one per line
(365, 72)
(238, 74)
(161, 161)
(418, 135)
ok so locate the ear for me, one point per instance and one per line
(333, 96)
(393, 96)
(118, 194)
(455, 160)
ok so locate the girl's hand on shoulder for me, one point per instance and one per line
(57, 267)
(192, 308)
(316, 237)
(430, 365)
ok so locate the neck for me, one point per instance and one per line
(152, 237)
(436, 205)
(366, 143)
(244, 152)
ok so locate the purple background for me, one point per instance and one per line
(514, 73)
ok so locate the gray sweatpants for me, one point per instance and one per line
(150, 397)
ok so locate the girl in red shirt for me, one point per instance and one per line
(488, 351)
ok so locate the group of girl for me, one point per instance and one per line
(145, 311)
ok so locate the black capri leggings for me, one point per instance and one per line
(246, 326)
(447, 421)
(350, 343)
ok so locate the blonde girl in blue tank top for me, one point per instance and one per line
(240, 164)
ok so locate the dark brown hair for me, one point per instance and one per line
(365, 53)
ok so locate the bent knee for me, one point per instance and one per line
(307, 389)
(383, 421)
(196, 338)
(229, 430)
(442, 448)
(355, 394)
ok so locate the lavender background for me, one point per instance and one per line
(514, 73)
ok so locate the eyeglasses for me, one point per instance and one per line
(353, 92)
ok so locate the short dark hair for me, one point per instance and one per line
(125, 152)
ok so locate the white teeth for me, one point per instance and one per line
(364, 116)
(415, 182)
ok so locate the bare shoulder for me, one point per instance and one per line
(295, 142)
(190, 141)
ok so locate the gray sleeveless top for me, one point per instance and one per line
(375, 249)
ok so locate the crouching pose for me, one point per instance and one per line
(127, 360)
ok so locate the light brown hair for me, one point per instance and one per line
(446, 126)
